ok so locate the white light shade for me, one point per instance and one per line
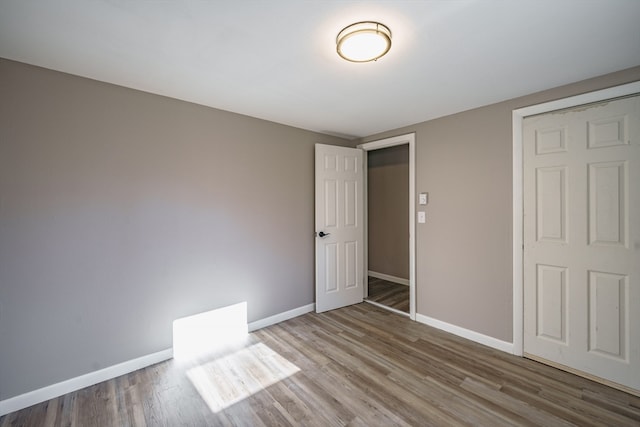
(363, 41)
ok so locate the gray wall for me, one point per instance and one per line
(388, 210)
(464, 252)
(121, 211)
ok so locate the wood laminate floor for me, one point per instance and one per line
(388, 293)
(357, 366)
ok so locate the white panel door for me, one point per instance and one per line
(582, 239)
(339, 227)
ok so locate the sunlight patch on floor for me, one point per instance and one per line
(237, 376)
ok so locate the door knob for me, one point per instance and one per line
(323, 234)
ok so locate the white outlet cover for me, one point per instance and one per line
(422, 217)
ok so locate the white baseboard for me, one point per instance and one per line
(389, 278)
(281, 317)
(507, 347)
(49, 392)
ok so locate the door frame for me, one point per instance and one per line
(410, 140)
(518, 207)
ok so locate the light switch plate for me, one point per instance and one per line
(422, 217)
(423, 198)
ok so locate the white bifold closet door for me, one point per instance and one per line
(582, 239)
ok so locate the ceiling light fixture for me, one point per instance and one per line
(364, 41)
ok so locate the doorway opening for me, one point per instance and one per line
(389, 224)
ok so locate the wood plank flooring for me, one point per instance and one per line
(356, 366)
(388, 293)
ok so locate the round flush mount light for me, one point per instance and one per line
(364, 41)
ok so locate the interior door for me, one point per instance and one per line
(582, 239)
(339, 224)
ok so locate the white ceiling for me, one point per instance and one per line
(276, 59)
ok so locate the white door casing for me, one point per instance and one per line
(410, 140)
(339, 227)
(581, 268)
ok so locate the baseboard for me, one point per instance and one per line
(52, 391)
(389, 278)
(49, 392)
(281, 317)
(507, 347)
